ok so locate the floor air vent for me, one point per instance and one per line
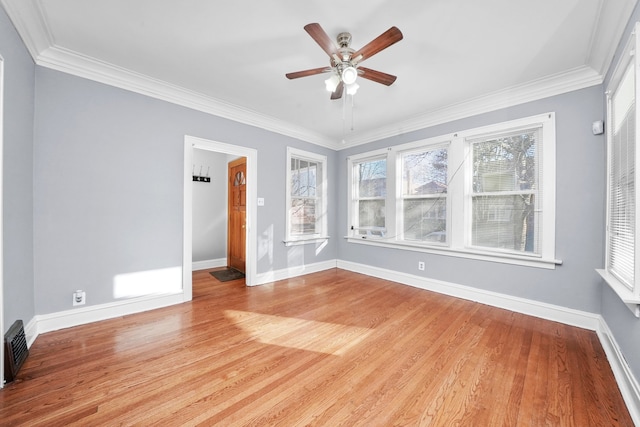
(15, 350)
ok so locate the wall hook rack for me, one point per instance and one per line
(200, 177)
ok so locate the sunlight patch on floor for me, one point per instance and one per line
(311, 335)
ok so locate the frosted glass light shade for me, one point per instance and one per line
(349, 75)
(332, 83)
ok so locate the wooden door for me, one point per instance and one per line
(237, 208)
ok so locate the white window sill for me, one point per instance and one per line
(305, 241)
(626, 295)
(504, 258)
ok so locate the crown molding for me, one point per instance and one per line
(71, 62)
(578, 78)
(29, 19)
(608, 32)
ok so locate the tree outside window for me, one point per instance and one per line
(370, 195)
(424, 195)
(306, 196)
(505, 187)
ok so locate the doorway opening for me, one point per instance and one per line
(250, 240)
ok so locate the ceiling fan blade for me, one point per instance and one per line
(320, 36)
(305, 73)
(383, 41)
(377, 76)
(337, 94)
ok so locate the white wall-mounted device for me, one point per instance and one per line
(598, 127)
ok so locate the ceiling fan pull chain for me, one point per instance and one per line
(344, 117)
(352, 102)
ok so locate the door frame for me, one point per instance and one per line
(2, 355)
(191, 142)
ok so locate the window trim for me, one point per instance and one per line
(631, 297)
(291, 240)
(546, 176)
(458, 201)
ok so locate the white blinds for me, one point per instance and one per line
(622, 200)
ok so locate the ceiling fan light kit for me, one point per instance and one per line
(332, 82)
(345, 61)
(349, 75)
(352, 88)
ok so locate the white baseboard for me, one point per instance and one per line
(94, 313)
(287, 273)
(209, 263)
(627, 383)
(556, 313)
(31, 331)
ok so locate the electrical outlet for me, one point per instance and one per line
(421, 265)
(79, 297)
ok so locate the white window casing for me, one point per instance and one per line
(306, 197)
(452, 235)
(518, 189)
(369, 192)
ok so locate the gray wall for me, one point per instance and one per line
(93, 189)
(18, 175)
(108, 187)
(624, 326)
(210, 206)
(579, 212)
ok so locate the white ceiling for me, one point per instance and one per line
(457, 58)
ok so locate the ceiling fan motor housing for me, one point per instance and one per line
(344, 39)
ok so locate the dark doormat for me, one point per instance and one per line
(227, 275)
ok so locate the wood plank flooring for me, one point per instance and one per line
(334, 348)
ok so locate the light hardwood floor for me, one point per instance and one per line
(327, 349)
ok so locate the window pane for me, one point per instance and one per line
(505, 222)
(303, 216)
(296, 184)
(425, 220)
(622, 201)
(507, 163)
(305, 204)
(425, 172)
(304, 176)
(623, 100)
(371, 213)
(313, 178)
(372, 178)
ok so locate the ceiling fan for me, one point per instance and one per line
(345, 61)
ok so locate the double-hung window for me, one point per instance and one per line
(423, 194)
(621, 266)
(486, 193)
(505, 191)
(306, 196)
(369, 196)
